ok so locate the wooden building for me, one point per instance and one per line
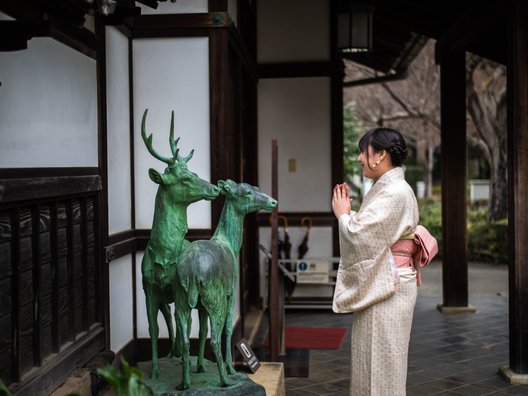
(76, 203)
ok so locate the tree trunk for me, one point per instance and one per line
(498, 204)
(429, 171)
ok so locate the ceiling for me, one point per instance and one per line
(399, 28)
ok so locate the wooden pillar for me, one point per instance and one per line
(103, 277)
(517, 372)
(453, 134)
(275, 317)
(223, 158)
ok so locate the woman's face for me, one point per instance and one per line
(369, 162)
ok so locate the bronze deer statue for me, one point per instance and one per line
(178, 188)
(207, 274)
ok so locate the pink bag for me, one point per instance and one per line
(427, 249)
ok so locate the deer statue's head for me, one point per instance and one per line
(246, 198)
(178, 183)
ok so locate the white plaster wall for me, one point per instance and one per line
(48, 107)
(179, 7)
(121, 297)
(118, 131)
(171, 74)
(297, 113)
(142, 320)
(293, 30)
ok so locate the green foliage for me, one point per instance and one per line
(351, 135)
(487, 241)
(413, 174)
(4, 391)
(128, 383)
(431, 218)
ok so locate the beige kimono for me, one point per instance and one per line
(365, 285)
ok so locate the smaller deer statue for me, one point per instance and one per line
(178, 188)
(207, 274)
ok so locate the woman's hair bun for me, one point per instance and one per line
(386, 139)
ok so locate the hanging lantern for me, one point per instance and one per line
(354, 29)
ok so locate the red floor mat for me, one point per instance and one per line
(313, 337)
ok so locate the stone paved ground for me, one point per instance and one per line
(449, 354)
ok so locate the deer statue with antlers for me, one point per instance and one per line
(207, 274)
(178, 188)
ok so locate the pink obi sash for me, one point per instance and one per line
(415, 252)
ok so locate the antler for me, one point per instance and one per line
(173, 143)
(148, 142)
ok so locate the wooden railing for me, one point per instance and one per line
(50, 278)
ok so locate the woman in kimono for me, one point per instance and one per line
(369, 283)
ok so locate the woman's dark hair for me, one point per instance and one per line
(385, 139)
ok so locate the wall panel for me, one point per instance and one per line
(121, 303)
(48, 107)
(171, 74)
(293, 30)
(118, 131)
(297, 113)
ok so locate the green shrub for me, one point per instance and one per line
(413, 174)
(4, 391)
(431, 218)
(487, 241)
(126, 383)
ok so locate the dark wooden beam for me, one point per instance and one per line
(30, 173)
(297, 69)
(239, 46)
(101, 235)
(480, 29)
(14, 35)
(16, 369)
(167, 25)
(37, 301)
(518, 187)
(453, 146)
(337, 126)
(34, 21)
(76, 37)
(132, 241)
(275, 313)
(15, 190)
(223, 155)
(217, 5)
(22, 10)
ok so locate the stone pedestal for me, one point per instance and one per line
(271, 376)
(202, 384)
(512, 377)
(456, 310)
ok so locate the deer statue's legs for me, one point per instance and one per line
(229, 333)
(177, 348)
(183, 321)
(166, 311)
(203, 337)
(152, 316)
(217, 324)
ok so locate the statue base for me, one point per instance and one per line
(202, 384)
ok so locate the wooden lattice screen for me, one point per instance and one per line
(50, 282)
